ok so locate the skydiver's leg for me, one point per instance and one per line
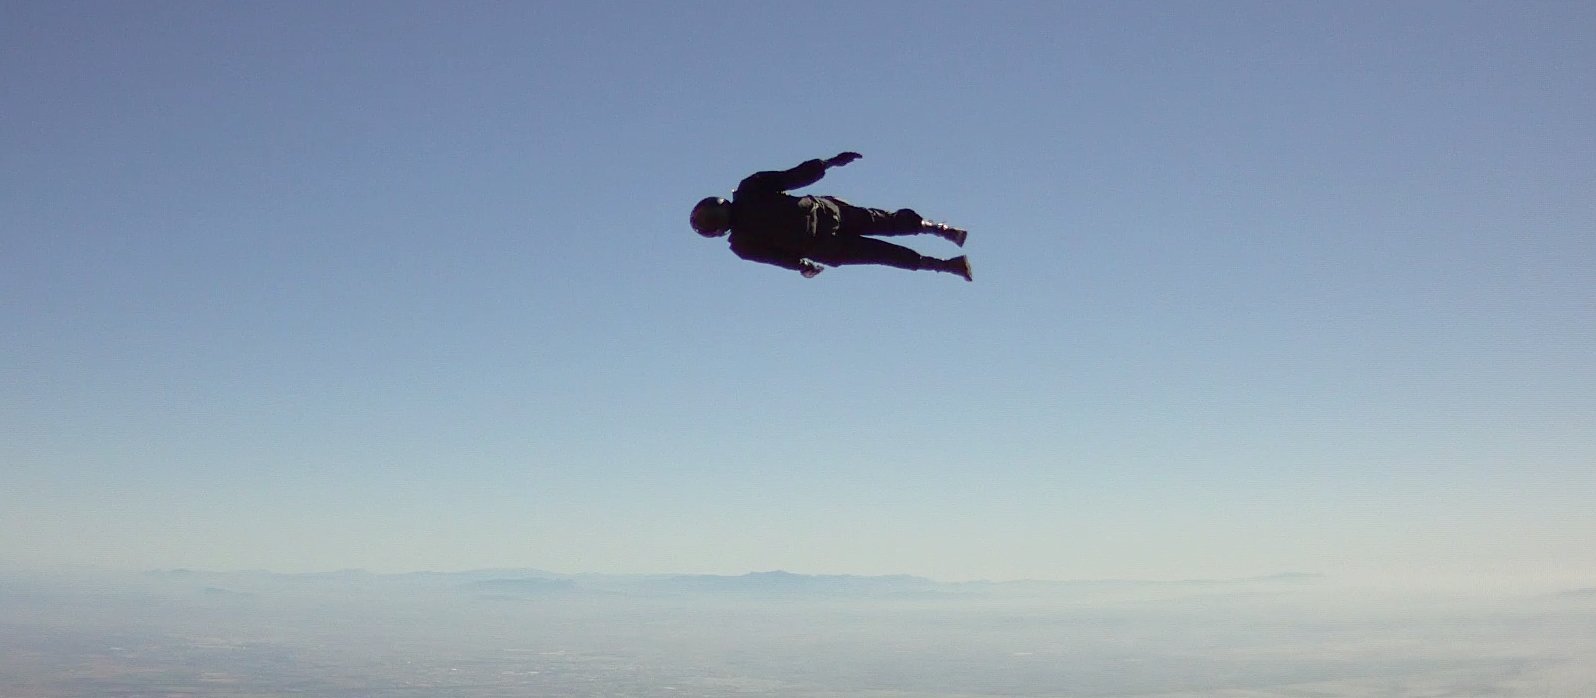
(858, 220)
(852, 249)
(849, 249)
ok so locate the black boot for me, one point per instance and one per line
(958, 265)
(946, 232)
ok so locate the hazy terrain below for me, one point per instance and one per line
(531, 633)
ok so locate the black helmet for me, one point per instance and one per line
(712, 217)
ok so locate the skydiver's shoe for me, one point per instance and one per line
(947, 232)
(958, 265)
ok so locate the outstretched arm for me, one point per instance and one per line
(780, 258)
(798, 177)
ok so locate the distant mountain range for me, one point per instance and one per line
(1585, 593)
(535, 582)
(780, 581)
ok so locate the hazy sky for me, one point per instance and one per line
(1259, 287)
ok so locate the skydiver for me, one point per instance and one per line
(804, 232)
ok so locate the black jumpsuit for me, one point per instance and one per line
(771, 226)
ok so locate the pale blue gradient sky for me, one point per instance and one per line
(1260, 286)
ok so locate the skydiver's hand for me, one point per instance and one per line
(810, 269)
(843, 159)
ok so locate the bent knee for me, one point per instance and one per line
(906, 219)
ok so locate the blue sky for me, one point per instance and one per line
(1259, 286)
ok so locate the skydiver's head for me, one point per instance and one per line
(712, 217)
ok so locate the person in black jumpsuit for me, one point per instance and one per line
(804, 232)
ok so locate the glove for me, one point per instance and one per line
(810, 269)
(843, 159)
